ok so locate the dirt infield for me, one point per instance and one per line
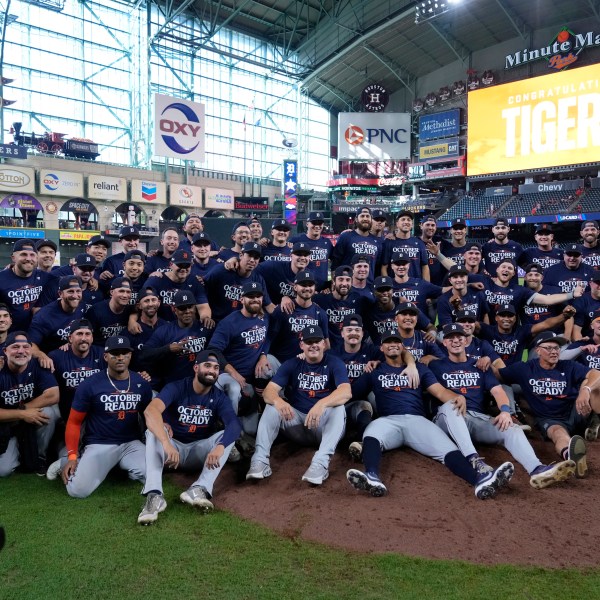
(428, 512)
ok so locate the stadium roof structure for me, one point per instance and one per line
(336, 47)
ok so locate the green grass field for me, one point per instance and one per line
(58, 547)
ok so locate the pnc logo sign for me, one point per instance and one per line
(354, 135)
(180, 128)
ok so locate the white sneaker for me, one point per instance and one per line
(258, 470)
(54, 470)
(316, 474)
(198, 497)
(155, 503)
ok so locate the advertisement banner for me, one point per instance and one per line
(185, 195)
(219, 198)
(37, 234)
(150, 192)
(501, 190)
(547, 121)
(60, 183)
(179, 127)
(439, 150)
(374, 136)
(290, 190)
(78, 206)
(101, 187)
(443, 124)
(21, 201)
(13, 151)
(82, 236)
(17, 179)
(251, 203)
(551, 186)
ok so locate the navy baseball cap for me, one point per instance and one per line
(183, 298)
(573, 249)
(98, 239)
(281, 223)
(343, 271)
(390, 334)
(238, 225)
(314, 332)
(534, 268)
(466, 315)
(147, 291)
(12, 338)
(252, 248)
(191, 216)
(24, 244)
(405, 213)
(506, 309)
(41, 243)
(378, 214)
(129, 231)
(427, 219)
(137, 254)
(457, 270)
(458, 224)
(453, 329)
(501, 221)
(252, 287)
(211, 355)
(117, 342)
(181, 257)
(120, 282)
(410, 307)
(304, 277)
(400, 257)
(383, 282)
(68, 282)
(589, 224)
(473, 246)
(201, 239)
(315, 217)
(363, 209)
(352, 320)
(301, 248)
(77, 324)
(549, 336)
(543, 228)
(85, 260)
(360, 258)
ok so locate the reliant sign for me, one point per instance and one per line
(151, 192)
(179, 127)
(374, 136)
(219, 199)
(101, 187)
(17, 179)
(186, 195)
(60, 183)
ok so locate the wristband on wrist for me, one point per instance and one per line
(505, 408)
(588, 388)
(72, 455)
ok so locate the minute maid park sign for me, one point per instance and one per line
(561, 52)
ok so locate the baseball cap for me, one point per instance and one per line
(98, 239)
(314, 332)
(68, 282)
(4, 308)
(85, 260)
(458, 224)
(183, 298)
(304, 277)
(405, 213)
(473, 246)
(201, 239)
(301, 248)
(457, 270)
(391, 334)
(117, 342)
(237, 226)
(147, 291)
(191, 216)
(343, 271)
(543, 228)
(252, 220)
(252, 248)
(282, 223)
(506, 309)
(383, 282)
(427, 219)
(315, 216)
(181, 257)
(378, 214)
(453, 329)
(137, 254)
(573, 249)
(501, 221)
(360, 258)
(11, 338)
(589, 224)
(77, 324)
(534, 268)
(465, 315)
(410, 307)
(24, 244)
(352, 320)
(129, 231)
(211, 355)
(400, 257)
(120, 282)
(549, 336)
(362, 209)
(41, 243)
(252, 287)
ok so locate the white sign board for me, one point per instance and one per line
(19, 180)
(151, 192)
(61, 183)
(218, 198)
(101, 187)
(185, 195)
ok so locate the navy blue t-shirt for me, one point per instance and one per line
(417, 291)
(351, 243)
(158, 263)
(356, 362)
(509, 346)
(587, 310)
(106, 323)
(166, 289)
(50, 326)
(276, 253)
(202, 269)
(320, 253)
(533, 313)
(114, 264)
(473, 301)
(21, 294)
(514, 294)
(544, 258)
(25, 386)
(494, 253)
(377, 321)
(566, 279)
(413, 247)
(591, 257)
(279, 278)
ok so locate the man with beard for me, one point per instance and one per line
(160, 261)
(28, 395)
(532, 312)
(315, 388)
(278, 249)
(193, 408)
(203, 262)
(113, 265)
(454, 248)
(501, 248)
(545, 253)
(470, 260)
(571, 271)
(588, 308)
(109, 403)
(428, 228)
(147, 305)
(240, 234)
(358, 242)
(590, 248)
(191, 226)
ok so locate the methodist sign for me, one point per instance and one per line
(219, 198)
(374, 136)
(542, 122)
(179, 127)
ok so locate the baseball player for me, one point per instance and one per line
(402, 422)
(192, 408)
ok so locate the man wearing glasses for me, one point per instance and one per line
(561, 394)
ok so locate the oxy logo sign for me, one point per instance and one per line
(51, 182)
(179, 128)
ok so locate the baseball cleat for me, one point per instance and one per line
(591, 433)
(489, 484)
(367, 482)
(355, 450)
(577, 453)
(480, 466)
(258, 471)
(234, 456)
(155, 503)
(198, 497)
(546, 475)
(54, 470)
(316, 474)
(520, 424)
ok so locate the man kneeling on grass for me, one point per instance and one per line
(181, 423)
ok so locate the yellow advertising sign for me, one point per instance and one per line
(535, 123)
(77, 235)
